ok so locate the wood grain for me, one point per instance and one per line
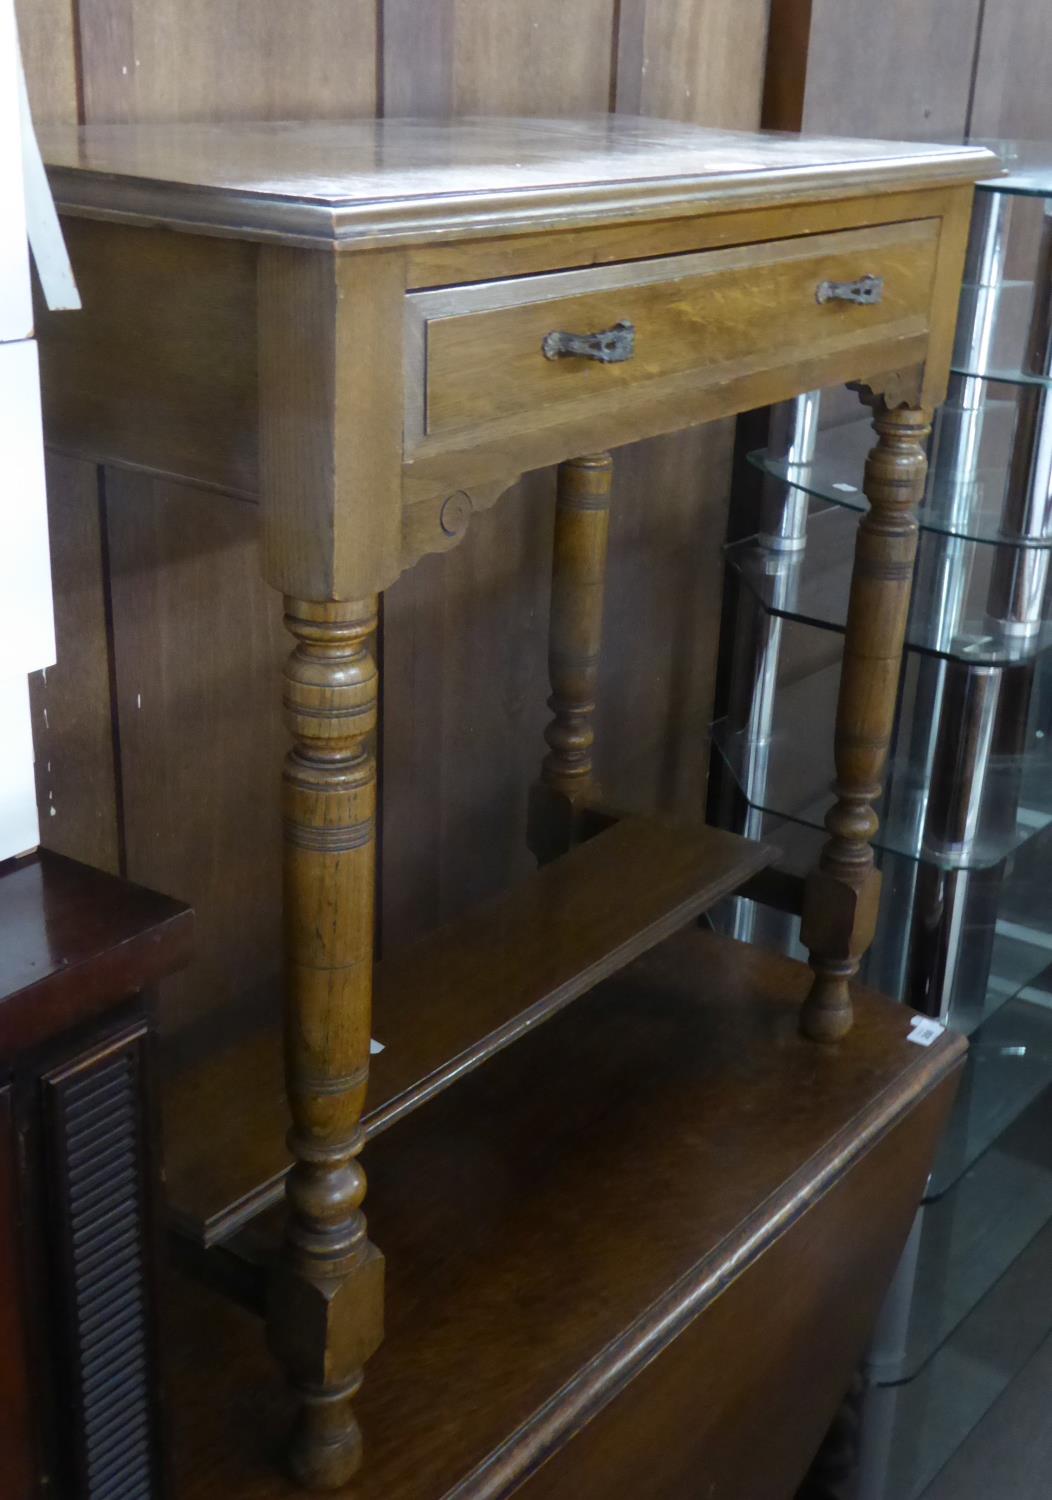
(699, 314)
(454, 57)
(545, 58)
(683, 61)
(522, 1314)
(449, 1002)
(325, 1298)
(899, 70)
(669, 504)
(454, 806)
(1011, 98)
(73, 729)
(522, 255)
(567, 788)
(74, 942)
(464, 640)
(330, 428)
(703, 63)
(842, 895)
(173, 320)
(199, 647)
(416, 57)
(795, 1380)
(219, 59)
(48, 37)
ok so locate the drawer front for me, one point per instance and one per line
(476, 358)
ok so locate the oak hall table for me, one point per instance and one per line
(376, 327)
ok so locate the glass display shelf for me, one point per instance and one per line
(789, 774)
(956, 581)
(1008, 1065)
(1027, 168)
(1006, 351)
(995, 922)
(971, 1236)
(972, 490)
(962, 944)
(1021, 951)
(917, 1426)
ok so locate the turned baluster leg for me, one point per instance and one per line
(326, 1306)
(842, 894)
(582, 520)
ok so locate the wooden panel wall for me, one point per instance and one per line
(222, 59)
(192, 642)
(73, 722)
(1012, 97)
(198, 646)
(901, 69)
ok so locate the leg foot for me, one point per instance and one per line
(325, 1449)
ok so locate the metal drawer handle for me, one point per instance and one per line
(865, 290)
(611, 347)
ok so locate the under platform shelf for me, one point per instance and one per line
(635, 1210)
(444, 1005)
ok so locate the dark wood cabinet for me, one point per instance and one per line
(79, 1410)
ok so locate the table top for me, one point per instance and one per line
(358, 183)
(74, 941)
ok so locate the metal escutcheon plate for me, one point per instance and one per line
(865, 290)
(611, 347)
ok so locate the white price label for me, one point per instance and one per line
(923, 1030)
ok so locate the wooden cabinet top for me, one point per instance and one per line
(74, 941)
(360, 183)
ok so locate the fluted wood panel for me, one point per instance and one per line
(96, 1151)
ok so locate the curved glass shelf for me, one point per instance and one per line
(1008, 1065)
(956, 584)
(994, 328)
(968, 494)
(929, 1417)
(790, 771)
(1027, 164)
(971, 1236)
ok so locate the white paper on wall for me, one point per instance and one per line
(45, 233)
(27, 630)
(16, 304)
(19, 831)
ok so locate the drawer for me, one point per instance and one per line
(476, 361)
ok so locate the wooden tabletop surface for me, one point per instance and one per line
(359, 180)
